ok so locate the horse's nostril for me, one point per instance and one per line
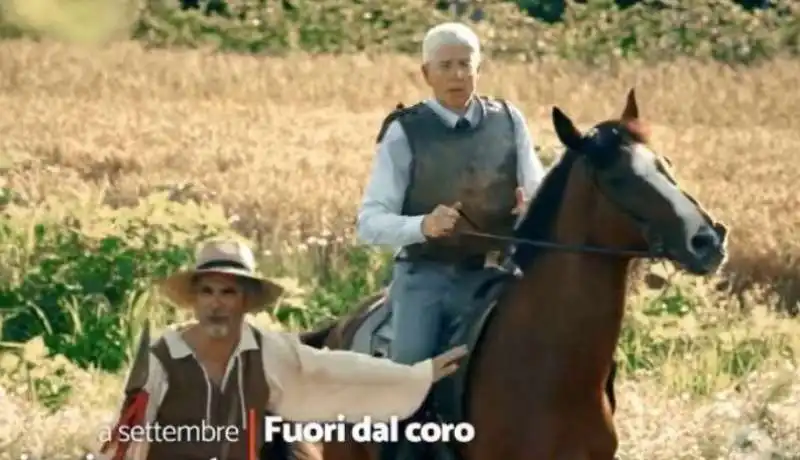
(703, 242)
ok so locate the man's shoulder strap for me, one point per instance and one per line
(496, 105)
(400, 111)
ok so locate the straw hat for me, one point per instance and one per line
(221, 256)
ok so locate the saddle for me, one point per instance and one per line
(374, 335)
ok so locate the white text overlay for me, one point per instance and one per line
(366, 430)
(157, 433)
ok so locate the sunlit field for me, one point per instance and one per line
(281, 149)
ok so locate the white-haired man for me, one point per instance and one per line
(454, 153)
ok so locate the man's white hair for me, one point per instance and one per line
(449, 33)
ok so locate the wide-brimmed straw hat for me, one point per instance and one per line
(221, 256)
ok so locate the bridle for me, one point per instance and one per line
(655, 251)
(581, 248)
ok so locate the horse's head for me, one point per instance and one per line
(639, 204)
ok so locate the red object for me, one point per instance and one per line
(133, 415)
(251, 438)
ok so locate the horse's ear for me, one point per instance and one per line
(631, 111)
(566, 131)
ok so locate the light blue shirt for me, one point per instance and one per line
(379, 219)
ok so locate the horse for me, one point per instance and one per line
(535, 384)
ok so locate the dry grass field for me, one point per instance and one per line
(285, 146)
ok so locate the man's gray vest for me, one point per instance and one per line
(477, 167)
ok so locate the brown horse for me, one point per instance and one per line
(537, 375)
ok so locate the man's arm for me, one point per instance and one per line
(155, 387)
(307, 384)
(530, 170)
(379, 219)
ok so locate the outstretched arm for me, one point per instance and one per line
(307, 384)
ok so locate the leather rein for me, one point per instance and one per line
(580, 248)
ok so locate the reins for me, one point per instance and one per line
(581, 248)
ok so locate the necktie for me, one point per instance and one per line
(462, 125)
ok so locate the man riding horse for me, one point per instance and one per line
(455, 161)
(222, 372)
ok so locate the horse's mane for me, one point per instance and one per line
(538, 221)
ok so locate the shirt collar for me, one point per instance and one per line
(178, 348)
(450, 118)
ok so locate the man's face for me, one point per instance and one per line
(453, 75)
(220, 304)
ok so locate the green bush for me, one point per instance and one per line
(77, 291)
(601, 30)
(714, 29)
(83, 285)
(82, 291)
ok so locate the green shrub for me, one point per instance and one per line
(84, 288)
(84, 293)
(596, 31)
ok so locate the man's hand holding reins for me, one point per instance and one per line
(441, 222)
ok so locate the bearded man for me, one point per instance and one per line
(221, 371)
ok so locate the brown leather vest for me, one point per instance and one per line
(477, 167)
(185, 405)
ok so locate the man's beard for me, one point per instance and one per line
(217, 330)
(218, 327)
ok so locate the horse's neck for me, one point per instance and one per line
(573, 226)
(577, 285)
